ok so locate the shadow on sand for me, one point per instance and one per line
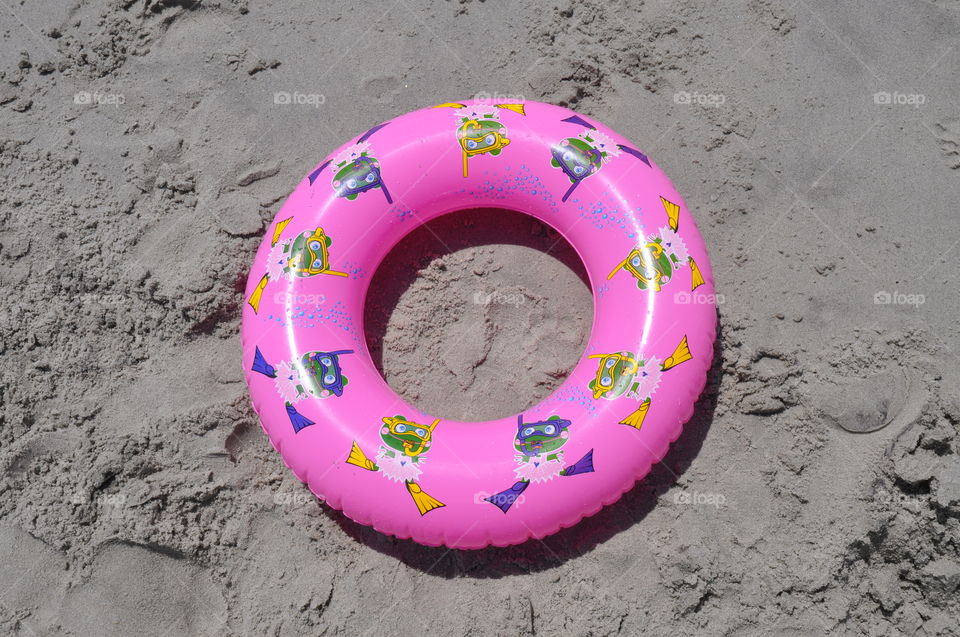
(485, 227)
(445, 235)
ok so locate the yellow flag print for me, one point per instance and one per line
(635, 419)
(680, 355)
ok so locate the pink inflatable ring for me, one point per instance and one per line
(385, 463)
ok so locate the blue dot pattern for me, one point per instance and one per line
(606, 213)
(569, 395)
(316, 311)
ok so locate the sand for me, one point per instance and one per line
(143, 151)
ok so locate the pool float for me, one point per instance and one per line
(385, 463)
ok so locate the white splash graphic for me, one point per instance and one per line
(277, 261)
(350, 153)
(603, 143)
(477, 111)
(648, 378)
(673, 244)
(538, 468)
(399, 467)
(288, 377)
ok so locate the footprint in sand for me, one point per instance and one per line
(948, 134)
(864, 405)
(135, 590)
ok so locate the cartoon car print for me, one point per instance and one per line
(401, 457)
(539, 455)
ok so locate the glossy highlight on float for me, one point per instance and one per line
(384, 463)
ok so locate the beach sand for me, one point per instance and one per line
(143, 154)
